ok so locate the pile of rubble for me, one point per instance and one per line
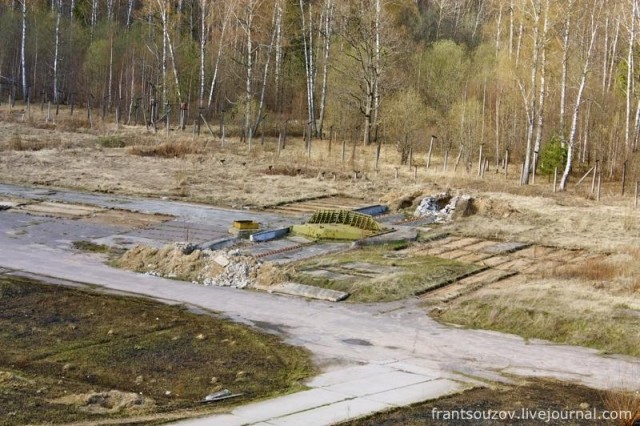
(442, 207)
(226, 268)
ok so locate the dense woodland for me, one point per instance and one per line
(548, 83)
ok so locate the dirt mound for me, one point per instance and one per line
(208, 267)
(107, 402)
(400, 200)
(493, 208)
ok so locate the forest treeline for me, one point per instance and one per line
(546, 83)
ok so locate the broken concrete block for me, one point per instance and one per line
(221, 260)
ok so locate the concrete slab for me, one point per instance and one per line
(60, 210)
(333, 414)
(419, 392)
(463, 242)
(474, 257)
(219, 420)
(269, 235)
(323, 273)
(495, 261)
(454, 254)
(306, 252)
(351, 373)
(377, 384)
(400, 234)
(288, 404)
(310, 292)
(127, 241)
(503, 248)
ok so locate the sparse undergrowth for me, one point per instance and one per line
(91, 247)
(562, 311)
(618, 272)
(167, 150)
(64, 350)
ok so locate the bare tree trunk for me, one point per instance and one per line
(565, 65)
(543, 89)
(325, 66)
(377, 73)
(55, 56)
(248, 27)
(498, 29)
(632, 33)
(174, 67)
(129, 11)
(519, 45)
(530, 99)
(278, 58)
(510, 28)
(214, 79)
(94, 15)
(578, 102)
(203, 15)
(612, 56)
(265, 74)
(163, 12)
(23, 56)
(308, 62)
(110, 90)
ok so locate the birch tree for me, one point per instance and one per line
(529, 97)
(56, 52)
(203, 40)
(326, 33)
(307, 42)
(578, 101)
(23, 48)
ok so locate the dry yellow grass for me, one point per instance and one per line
(624, 402)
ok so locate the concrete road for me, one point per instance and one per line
(373, 357)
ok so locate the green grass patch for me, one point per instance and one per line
(379, 274)
(58, 341)
(90, 247)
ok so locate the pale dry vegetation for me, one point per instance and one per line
(624, 402)
(565, 311)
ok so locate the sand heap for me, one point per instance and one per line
(226, 268)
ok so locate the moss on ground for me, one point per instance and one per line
(58, 341)
(380, 274)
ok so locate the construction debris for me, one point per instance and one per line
(442, 207)
(225, 268)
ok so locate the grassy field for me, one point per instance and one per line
(379, 274)
(69, 355)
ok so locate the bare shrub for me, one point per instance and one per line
(289, 170)
(167, 150)
(623, 403)
(15, 143)
(72, 124)
(595, 270)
